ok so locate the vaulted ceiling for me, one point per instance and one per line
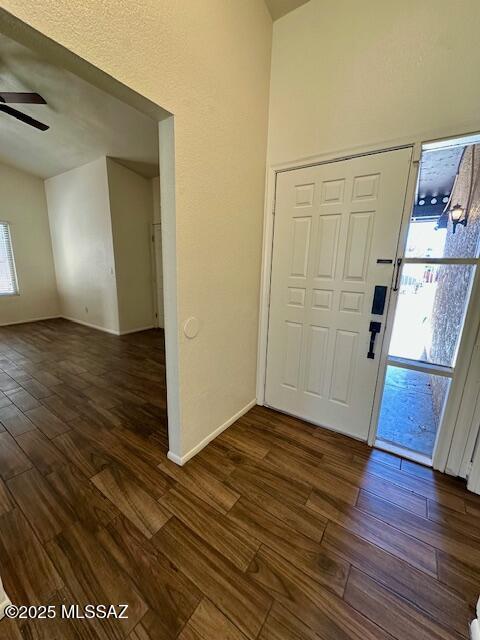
(279, 8)
(85, 122)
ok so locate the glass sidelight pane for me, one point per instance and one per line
(426, 240)
(433, 296)
(411, 410)
(446, 183)
(430, 312)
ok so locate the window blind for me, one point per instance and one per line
(8, 279)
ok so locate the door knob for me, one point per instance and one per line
(374, 329)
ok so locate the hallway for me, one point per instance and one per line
(277, 530)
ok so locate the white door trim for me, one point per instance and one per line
(473, 483)
(450, 447)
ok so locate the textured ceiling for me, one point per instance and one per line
(279, 8)
(85, 122)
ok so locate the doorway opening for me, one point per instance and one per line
(82, 341)
(434, 284)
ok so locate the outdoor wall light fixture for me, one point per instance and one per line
(458, 214)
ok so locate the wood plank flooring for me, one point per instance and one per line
(277, 530)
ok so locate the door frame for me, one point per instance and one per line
(455, 440)
(443, 459)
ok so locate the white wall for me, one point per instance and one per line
(348, 74)
(23, 205)
(131, 208)
(80, 223)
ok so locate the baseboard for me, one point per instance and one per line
(181, 460)
(82, 322)
(110, 331)
(91, 326)
(7, 324)
(176, 459)
(125, 333)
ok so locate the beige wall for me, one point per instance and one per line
(131, 209)
(158, 255)
(100, 221)
(348, 74)
(208, 63)
(23, 205)
(80, 224)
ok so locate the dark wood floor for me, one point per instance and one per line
(277, 530)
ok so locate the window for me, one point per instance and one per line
(8, 278)
(436, 281)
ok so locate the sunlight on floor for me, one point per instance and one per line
(407, 416)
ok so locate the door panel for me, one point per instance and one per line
(293, 348)
(358, 246)
(316, 352)
(343, 366)
(332, 223)
(327, 245)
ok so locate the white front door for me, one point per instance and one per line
(334, 225)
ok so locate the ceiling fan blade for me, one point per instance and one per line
(21, 98)
(23, 117)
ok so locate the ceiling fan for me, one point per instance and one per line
(22, 98)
